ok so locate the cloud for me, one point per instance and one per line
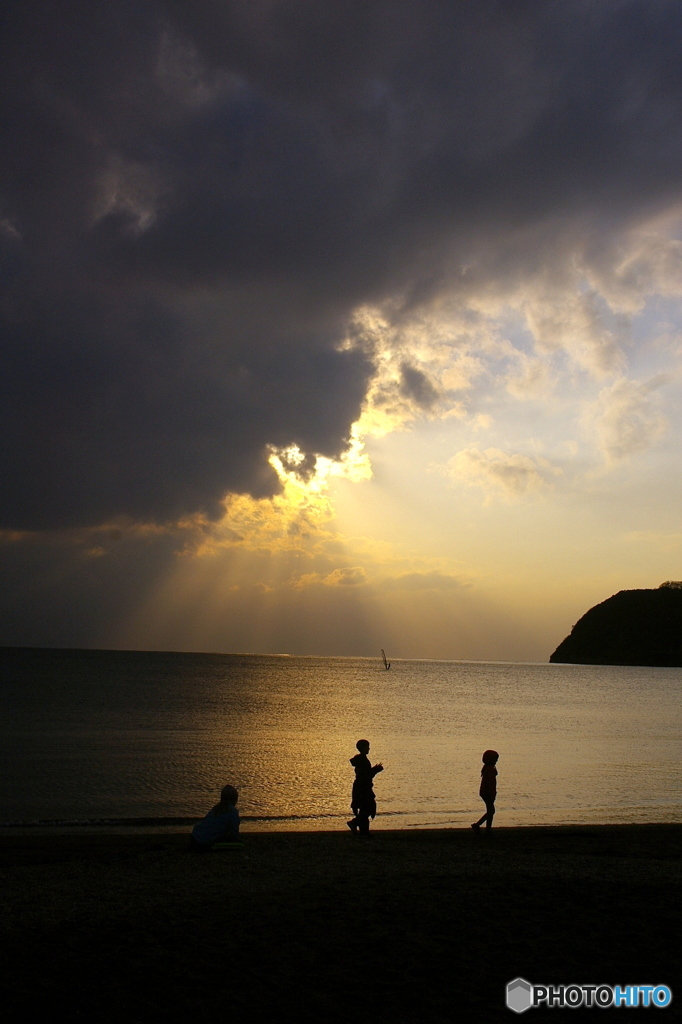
(346, 576)
(626, 418)
(663, 541)
(573, 321)
(641, 262)
(531, 378)
(416, 385)
(350, 576)
(508, 474)
(433, 580)
(196, 198)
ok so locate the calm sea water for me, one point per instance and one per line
(88, 735)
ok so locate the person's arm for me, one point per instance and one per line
(377, 768)
(488, 784)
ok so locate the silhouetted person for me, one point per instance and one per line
(488, 790)
(363, 802)
(221, 824)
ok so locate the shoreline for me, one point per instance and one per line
(80, 836)
(281, 826)
(419, 925)
(79, 840)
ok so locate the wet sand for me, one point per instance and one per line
(407, 926)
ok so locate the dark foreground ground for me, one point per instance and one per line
(405, 927)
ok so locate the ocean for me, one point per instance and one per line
(138, 739)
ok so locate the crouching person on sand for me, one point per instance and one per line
(219, 830)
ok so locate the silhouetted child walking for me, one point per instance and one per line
(363, 802)
(488, 790)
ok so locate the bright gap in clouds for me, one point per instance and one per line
(516, 461)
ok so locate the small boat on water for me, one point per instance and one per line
(387, 664)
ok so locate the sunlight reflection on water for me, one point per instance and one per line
(125, 735)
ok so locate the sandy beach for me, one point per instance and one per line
(407, 926)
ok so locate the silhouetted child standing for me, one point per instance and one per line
(363, 802)
(488, 790)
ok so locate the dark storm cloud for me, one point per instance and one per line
(416, 385)
(194, 197)
(60, 591)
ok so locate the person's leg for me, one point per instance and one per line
(477, 824)
(487, 817)
(363, 822)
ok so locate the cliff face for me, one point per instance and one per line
(634, 627)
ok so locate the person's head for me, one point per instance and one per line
(362, 746)
(229, 795)
(490, 757)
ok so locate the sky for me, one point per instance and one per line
(327, 327)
